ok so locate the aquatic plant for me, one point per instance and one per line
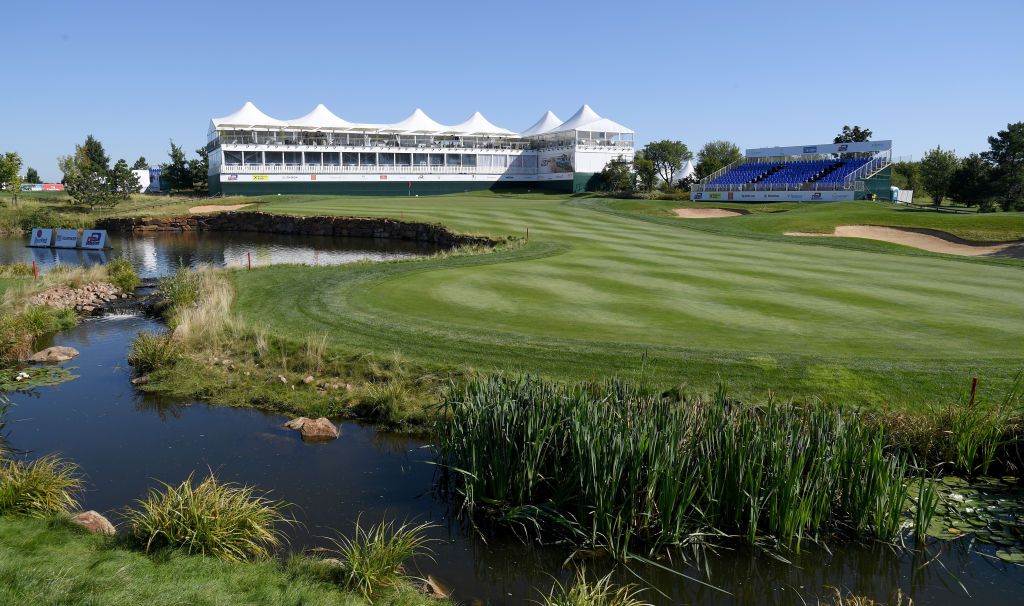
(608, 465)
(151, 351)
(122, 275)
(582, 592)
(840, 598)
(40, 488)
(375, 557)
(227, 521)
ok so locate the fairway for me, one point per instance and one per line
(595, 290)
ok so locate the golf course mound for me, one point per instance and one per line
(708, 213)
(931, 240)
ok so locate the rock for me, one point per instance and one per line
(140, 380)
(308, 380)
(94, 522)
(314, 430)
(282, 379)
(54, 354)
(433, 588)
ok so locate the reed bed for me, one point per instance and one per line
(618, 467)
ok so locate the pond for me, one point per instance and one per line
(126, 441)
(159, 253)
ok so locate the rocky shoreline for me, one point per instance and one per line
(86, 299)
(348, 227)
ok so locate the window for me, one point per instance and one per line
(254, 157)
(349, 159)
(367, 159)
(469, 159)
(274, 157)
(437, 159)
(293, 158)
(453, 160)
(314, 158)
(386, 159)
(332, 158)
(404, 159)
(419, 159)
(232, 157)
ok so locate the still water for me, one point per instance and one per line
(125, 441)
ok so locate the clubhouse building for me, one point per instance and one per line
(252, 153)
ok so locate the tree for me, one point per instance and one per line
(200, 169)
(141, 164)
(906, 175)
(124, 182)
(10, 173)
(617, 175)
(92, 155)
(87, 177)
(1006, 155)
(32, 176)
(646, 171)
(937, 168)
(716, 155)
(972, 183)
(667, 156)
(176, 173)
(853, 135)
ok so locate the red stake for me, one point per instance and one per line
(249, 255)
(35, 270)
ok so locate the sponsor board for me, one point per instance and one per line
(95, 239)
(776, 196)
(821, 148)
(41, 236)
(53, 187)
(375, 177)
(262, 177)
(66, 238)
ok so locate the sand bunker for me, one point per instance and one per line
(215, 208)
(931, 240)
(708, 213)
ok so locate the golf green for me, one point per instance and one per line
(597, 292)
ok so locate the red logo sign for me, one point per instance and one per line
(312, 177)
(383, 177)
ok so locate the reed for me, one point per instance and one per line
(41, 488)
(375, 557)
(628, 470)
(153, 351)
(220, 519)
(582, 592)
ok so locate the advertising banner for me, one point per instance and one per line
(66, 238)
(824, 148)
(41, 237)
(53, 187)
(94, 239)
(772, 196)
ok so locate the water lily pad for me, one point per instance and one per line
(1012, 556)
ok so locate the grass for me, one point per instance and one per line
(583, 592)
(51, 563)
(223, 520)
(41, 488)
(633, 470)
(375, 557)
(597, 287)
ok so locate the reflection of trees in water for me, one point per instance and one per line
(5, 405)
(165, 407)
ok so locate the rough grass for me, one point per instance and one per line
(374, 558)
(41, 488)
(584, 592)
(55, 564)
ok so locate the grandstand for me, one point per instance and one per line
(833, 171)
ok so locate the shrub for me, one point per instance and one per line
(599, 593)
(223, 520)
(153, 351)
(41, 217)
(375, 558)
(19, 329)
(122, 275)
(41, 488)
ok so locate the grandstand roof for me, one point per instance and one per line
(320, 117)
(248, 116)
(478, 125)
(547, 122)
(586, 118)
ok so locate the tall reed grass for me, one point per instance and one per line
(626, 469)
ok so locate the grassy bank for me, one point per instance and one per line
(52, 562)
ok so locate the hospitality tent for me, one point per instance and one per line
(247, 117)
(587, 119)
(478, 125)
(321, 118)
(546, 123)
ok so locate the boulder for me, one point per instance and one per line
(54, 354)
(140, 380)
(94, 523)
(308, 380)
(433, 588)
(314, 430)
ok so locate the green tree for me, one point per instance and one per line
(32, 175)
(141, 164)
(87, 178)
(972, 183)
(1006, 155)
(176, 173)
(200, 169)
(92, 155)
(646, 171)
(855, 134)
(10, 173)
(906, 175)
(617, 175)
(123, 181)
(716, 155)
(937, 168)
(667, 156)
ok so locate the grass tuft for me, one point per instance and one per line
(153, 351)
(601, 592)
(122, 275)
(375, 557)
(41, 488)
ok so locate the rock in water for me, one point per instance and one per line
(94, 522)
(54, 354)
(314, 430)
(433, 588)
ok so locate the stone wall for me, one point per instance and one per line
(351, 227)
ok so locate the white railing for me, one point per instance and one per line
(373, 170)
(877, 163)
(722, 171)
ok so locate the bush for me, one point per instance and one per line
(153, 351)
(180, 290)
(122, 275)
(41, 488)
(223, 520)
(374, 558)
(41, 217)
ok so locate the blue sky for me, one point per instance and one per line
(757, 73)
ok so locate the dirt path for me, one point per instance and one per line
(708, 213)
(214, 208)
(931, 240)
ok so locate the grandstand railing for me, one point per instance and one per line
(722, 170)
(775, 187)
(877, 163)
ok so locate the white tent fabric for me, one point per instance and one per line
(546, 123)
(478, 125)
(248, 116)
(587, 119)
(416, 122)
(320, 118)
(685, 171)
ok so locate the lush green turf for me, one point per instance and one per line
(597, 288)
(51, 563)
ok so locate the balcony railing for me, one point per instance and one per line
(374, 169)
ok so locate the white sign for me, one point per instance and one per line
(822, 148)
(41, 236)
(94, 239)
(772, 196)
(66, 238)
